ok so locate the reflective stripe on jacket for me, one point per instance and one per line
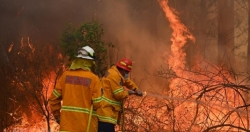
(114, 94)
(77, 89)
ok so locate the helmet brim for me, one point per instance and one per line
(84, 57)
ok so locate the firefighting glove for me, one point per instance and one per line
(138, 92)
(130, 92)
(57, 119)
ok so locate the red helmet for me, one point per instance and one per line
(125, 64)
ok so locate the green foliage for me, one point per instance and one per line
(89, 33)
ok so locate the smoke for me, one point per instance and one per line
(141, 33)
(138, 29)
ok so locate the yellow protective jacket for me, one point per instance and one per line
(113, 96)
(77, 89)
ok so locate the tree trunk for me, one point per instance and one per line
(201, 33)
(226, 33)
(248, 46)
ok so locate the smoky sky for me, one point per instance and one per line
(138, 28)
(41, 19)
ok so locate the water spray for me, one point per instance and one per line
(145, 94)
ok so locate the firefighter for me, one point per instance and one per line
(76, 92)
(114, 93)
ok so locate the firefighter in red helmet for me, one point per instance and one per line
(114, 93)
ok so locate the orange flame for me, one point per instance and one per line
(180, 35)
(224, 103)
(10, 47)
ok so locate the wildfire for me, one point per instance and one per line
(196, 116)
(190, 106)
(32, 118)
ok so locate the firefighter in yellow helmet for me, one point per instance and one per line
(79, 89)
(114, 93)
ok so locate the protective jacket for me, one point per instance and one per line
(114, 94)
(72, 97)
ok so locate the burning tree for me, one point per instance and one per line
(201, 97)
(31, 75)
(208, 99)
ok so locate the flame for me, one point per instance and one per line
(10, 47)
(180, 35)
(222, 101)
(184, 110)
(31, 46)
(25, 123)
(48, 84)
(24, 126)
(33, 121)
